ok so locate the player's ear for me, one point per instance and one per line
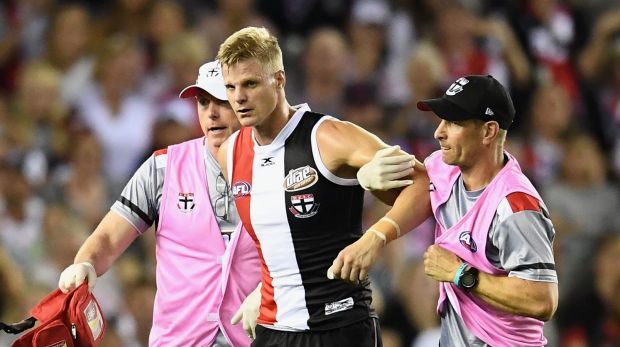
(280, 77)
(490, 131)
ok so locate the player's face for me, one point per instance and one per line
(460, 141)
(252, 91)
(217, 118)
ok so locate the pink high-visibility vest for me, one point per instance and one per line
(200, 282)
(468, 239)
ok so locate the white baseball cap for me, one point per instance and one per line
(210, 79)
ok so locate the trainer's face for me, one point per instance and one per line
(252, 91)
(460, 142)
(217, 119)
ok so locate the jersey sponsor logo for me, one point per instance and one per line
(342, 305)
(186, 202)
(457, 86)
(467, 241)
(240, 189)
(303, 206)
(267, 161)
(300, 178)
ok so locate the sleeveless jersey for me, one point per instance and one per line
(300, 216)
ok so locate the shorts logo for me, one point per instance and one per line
(342, 305)
(300, 178)
(457, 86)
(186, 202)
(303, 206)
(240, 189)
(467, 241)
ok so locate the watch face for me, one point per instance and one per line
(468, 280)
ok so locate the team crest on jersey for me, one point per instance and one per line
(300, 178)
(467, 241)
(241, 189)
(186, 202)
(303, 206)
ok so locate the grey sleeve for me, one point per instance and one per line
(522, 244)
(139, 200)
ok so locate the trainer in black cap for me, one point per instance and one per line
(473, 97)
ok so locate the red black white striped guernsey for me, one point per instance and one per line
(300, 216)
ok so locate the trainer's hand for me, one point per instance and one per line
(386, 169)
(440, 264)
(75, 275)
(248, 312)
(354, 261)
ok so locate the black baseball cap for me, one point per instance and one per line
(473, 97)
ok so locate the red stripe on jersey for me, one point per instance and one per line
(520, 201)
(243, 159)
(160, 152)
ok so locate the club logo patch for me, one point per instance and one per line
(241, 189)
(457, 86)
(186, 202)
(300, 178)
(467, 241)
(303, 206)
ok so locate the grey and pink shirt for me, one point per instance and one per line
(504, 230)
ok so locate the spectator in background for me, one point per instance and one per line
(116, 110)
(180, 59)
(228, 17)
(80, 184)
(325, 71)
(548, 29)
(474, 45)
(599, 64)
(550, 120)
(583, 205)
(38, 125)
(427, 75)
(69, 45)
(596, 322)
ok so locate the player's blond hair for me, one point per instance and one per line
(252, 42)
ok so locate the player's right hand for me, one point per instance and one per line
(386, 170)
(75, 275)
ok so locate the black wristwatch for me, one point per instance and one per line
(468, 279)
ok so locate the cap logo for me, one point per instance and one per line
(457, 86)
(213, 72)
(489, 112)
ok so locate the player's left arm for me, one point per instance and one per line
(524, 243)
(344, 148)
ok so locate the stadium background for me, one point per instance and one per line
(88, 90)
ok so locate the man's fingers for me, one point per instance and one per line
(405, 159)
(237, 317)
(354, 275)
(397, 174)
(363, 275)
(344, 272)
(387, 151)
(334, 270)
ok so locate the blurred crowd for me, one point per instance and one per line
(89, 90)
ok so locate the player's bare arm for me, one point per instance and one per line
(511, 294)
(344, 148)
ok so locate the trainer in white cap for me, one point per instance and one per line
(210, 80)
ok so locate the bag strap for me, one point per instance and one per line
(17, 328)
